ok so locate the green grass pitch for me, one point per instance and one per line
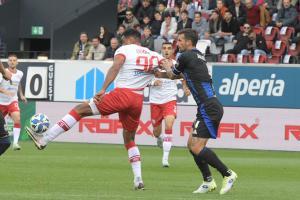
(66, 171)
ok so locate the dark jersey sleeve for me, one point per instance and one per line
(179, 67)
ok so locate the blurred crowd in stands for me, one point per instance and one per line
(259, 31)
(256, 31)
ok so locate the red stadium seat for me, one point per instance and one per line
(286, 33)
(274, 59)
(270, 44)
(231, 58)
(259, 30)
(294, 50)
(258, 59)
(279, 48)
(271, 33)
(242, 58)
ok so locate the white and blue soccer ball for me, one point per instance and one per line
(39, 123)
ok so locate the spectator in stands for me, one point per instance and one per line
(207, 5)
(185, 21)
(287, 15)
(119, 33)
(168, 27)
(145, 10)
(253, 13)
(221, 8)
(156, 24)
(228, 3)
(146, 22)
(241, 41)
(147, 39)
(238, 11)
(177, 12)
(214, 25)
(81, 48)
(161, 8)
(188, 6)
(230, 27)
(130, 19)
(200, 25)
(110, 51)
(171, 4)
(124, 5)
(105, 36)
(97, 50)
(258, 45)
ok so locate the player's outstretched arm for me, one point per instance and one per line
(111, 75)
(5, 74)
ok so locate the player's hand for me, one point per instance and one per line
(98, 97)
(23, 98)
(166, 64)
(187, 92)
(157, 83)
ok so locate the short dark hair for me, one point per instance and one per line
(198, 13)
(132, 33)
(12, 55)
(96, 37)
(189, 34)
(83, 32)
(184, 11)
(167, 43)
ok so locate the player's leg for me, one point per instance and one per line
(66, 123)
(130, 119)
(16, 130)
(14, 112)
(169, 114)
(167, 139)
(156, 119)
(202, 155)
(134, 157)
(4, 139)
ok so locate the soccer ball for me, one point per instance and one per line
(39, 123)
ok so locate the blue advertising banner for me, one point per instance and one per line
(257, 86)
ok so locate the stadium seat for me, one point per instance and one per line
(271, 33)
(278, 49)
(270, 44)
(259, 30)
(202, 45)
(242, 58)
(231, 58)
(258, 58)
(274, 60)
(286, 33)
(294, 50)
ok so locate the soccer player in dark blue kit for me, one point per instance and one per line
(4, 139)
(192, 66)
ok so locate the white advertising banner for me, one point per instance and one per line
(79, 80)
(242, 128)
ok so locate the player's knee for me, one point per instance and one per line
(83, 109)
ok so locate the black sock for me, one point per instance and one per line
(203, 167)
(212, 159)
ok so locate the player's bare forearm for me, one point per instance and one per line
(2, 69)
(110, 77)
(113, 71)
